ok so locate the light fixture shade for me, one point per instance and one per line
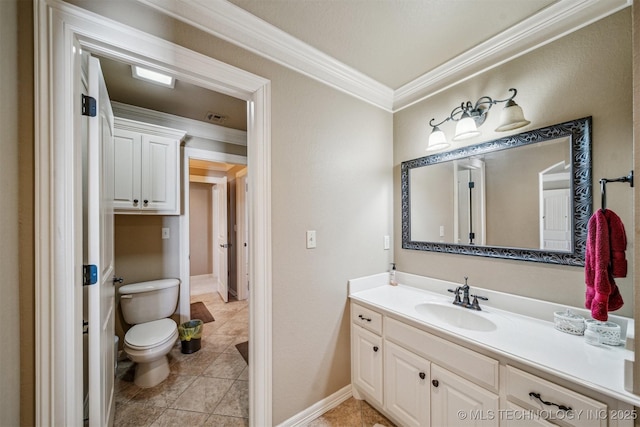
(437, 140)
(466, 128)
(511, 117)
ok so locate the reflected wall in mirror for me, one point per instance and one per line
(524, 197)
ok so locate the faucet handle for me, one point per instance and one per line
(456, 291)
(475, 305)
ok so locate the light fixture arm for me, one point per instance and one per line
(477, 110)
(470, 116)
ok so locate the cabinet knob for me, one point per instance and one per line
(422, 375)
(375, 348)
(146, 202)
(435, 383)
(135, 201)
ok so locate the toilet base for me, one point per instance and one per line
(150, 374)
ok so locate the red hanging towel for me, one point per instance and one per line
(604, 260)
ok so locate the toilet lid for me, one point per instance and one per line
(150, 334)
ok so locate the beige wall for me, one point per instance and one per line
(331, 172)
(9, 179)
(16, 214)
(587, 73)
(200, 233)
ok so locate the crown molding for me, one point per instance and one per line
(235, 25)
(551, 23)
(192, 127)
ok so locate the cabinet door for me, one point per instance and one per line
(366, 362)
(517, 416)
(406, 385)
(159, 173)
(459, 402)
(126, 169)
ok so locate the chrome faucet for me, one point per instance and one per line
(465, 293)
(465, 301)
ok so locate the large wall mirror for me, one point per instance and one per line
(523, 197)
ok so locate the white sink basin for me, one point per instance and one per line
(459, 317)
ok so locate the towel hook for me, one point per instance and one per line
(603, 186)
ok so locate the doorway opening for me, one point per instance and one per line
(58, 250)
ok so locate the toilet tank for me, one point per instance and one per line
(147, 301)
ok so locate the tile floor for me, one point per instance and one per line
(210, 387)
(205, 388)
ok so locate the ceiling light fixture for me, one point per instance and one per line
(471, 116)
(152, 76)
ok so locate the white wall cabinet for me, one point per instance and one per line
(147, 168)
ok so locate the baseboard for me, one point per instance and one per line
(319, 408)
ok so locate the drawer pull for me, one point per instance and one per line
(435, 383)
(375, 348)
(561, 407)
(364, 318)
(422, 375)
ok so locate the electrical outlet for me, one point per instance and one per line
(165, 232)
(387, 242)
(311, 239)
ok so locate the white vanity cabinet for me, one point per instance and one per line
(417, 378)
(414, 390)
(147, 168)
(367, 352)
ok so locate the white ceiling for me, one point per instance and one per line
(390, 53)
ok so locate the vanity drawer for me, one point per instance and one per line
(475, 367)
(366, 318)
(584, 410)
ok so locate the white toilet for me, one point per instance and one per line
(147, 306)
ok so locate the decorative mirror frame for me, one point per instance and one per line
(579, 133)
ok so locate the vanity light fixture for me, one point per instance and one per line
(152, 76)
(469, 117)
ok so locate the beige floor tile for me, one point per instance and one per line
(224, 421)
(347, 414)
(203, 395)
(136, 414)
(370, 417)
(191, 364)
(166, 392)
(175, 417)
(227, 365)
(236, 402)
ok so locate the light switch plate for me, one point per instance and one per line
(387, 242)
(165, 232)
(311, 239)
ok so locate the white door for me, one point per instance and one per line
(556, 223)
(222, 239)
(99, 251)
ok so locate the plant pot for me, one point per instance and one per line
(190, 346)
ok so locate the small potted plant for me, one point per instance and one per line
(190, 334)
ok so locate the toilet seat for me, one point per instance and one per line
(150, 334)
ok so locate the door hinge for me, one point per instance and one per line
(89, 275)
(88, 106)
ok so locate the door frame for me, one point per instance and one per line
(189, 153)
(58, 197)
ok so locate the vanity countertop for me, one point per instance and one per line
(523, 338)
